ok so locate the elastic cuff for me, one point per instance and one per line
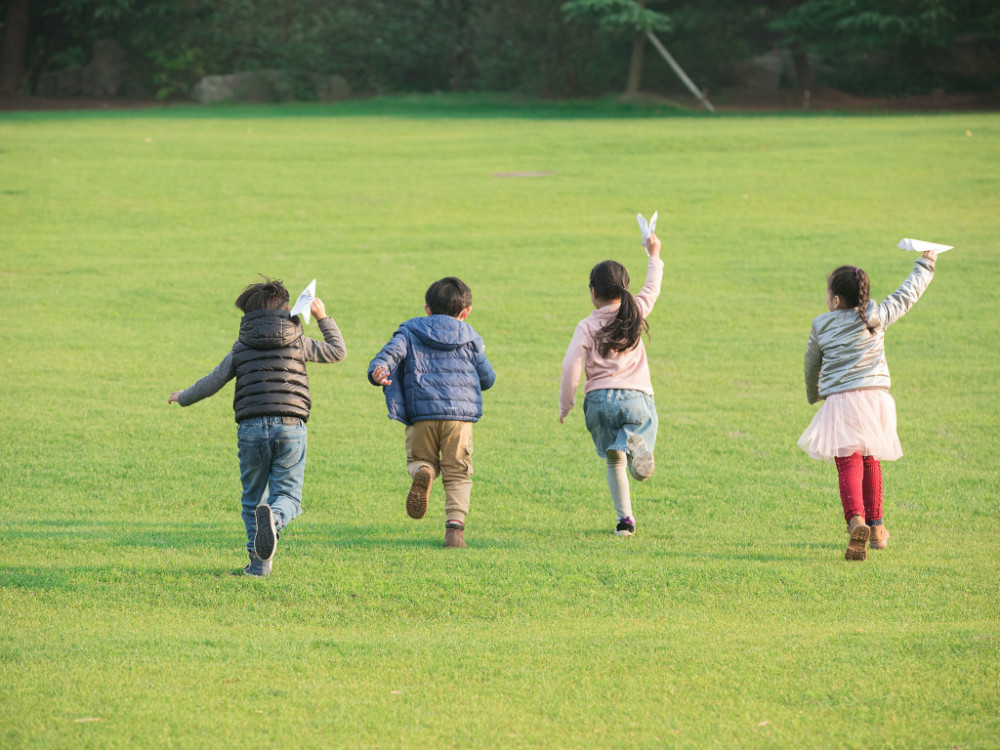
(876, 522)
(455, 515)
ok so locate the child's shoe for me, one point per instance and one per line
(859, 536)
(257, 567)
(453, 534)
(641, 465)
(879, 538)
(420, 491)
(266, 539)
(626, 526)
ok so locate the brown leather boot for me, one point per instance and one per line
(879, 538)
(859, 536)
(420, 491)
(453, 534)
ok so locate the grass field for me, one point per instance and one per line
(729, 620)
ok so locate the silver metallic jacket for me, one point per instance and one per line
(843, 356)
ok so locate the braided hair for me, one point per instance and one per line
(851, 284)
(609, 281)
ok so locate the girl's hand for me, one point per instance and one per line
(653, 245)
(173, 397)
(930, 255)
(381, 375)
(318, 309)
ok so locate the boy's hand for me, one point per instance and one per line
(929, 255)
(318, 309)
(381, 375)
(173, 397)
(652, 245)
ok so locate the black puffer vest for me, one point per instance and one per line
(271, 376)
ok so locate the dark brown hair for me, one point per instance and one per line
(851, 284)
(448, 296)
(263, 295)
(609, 280)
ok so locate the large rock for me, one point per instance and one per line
(234, 87)
(767, 72)
(332, 88)
(270, 86)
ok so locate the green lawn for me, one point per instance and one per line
(729, 620)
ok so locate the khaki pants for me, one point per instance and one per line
(445, 447)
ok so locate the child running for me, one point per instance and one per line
(434, 371)
(272, 406)
(618, 403)
(856, 425)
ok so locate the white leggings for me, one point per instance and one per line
(618, 483)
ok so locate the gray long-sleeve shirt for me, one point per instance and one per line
(331, 349)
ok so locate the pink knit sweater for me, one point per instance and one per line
(626, 370)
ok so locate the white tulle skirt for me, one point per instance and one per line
(851, 422)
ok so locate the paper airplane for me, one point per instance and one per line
(305, 300)
(919, 246)
(647, 229)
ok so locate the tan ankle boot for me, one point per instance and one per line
(420, 491)
(454, 532)
(859, 536)
(879, 538)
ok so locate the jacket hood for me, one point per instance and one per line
(441, 331)
(269, 329)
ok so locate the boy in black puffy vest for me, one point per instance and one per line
(272, 404)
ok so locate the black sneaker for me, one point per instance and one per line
(626, 526)
(266, 539)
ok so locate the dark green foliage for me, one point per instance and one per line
(899, 46)
(535, 47)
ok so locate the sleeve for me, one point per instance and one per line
(487, 377)
(211, 383)
(646, 297)
(572, 368)
(390, 356)
(331, 349)
(893, 307)
(813, 363)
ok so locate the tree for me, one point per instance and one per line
(621, 17)
(890, 46)
(13, 45)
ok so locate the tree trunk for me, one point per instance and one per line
(635, 67)
(15, 39)
(803, 68)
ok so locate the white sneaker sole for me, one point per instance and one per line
(642, 457)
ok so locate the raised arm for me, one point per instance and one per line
(647, 296)
(893, 307)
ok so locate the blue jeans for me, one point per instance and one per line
(614, 414)
(272, 455)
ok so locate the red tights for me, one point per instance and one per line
(860, 486)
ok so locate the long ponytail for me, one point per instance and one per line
(852, 285)
(609, 280)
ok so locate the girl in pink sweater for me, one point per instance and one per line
(618, 403)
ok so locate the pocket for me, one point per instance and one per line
(249, 453)
(289, 452)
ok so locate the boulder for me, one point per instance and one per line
(332, 88)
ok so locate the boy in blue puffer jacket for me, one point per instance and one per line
(434, 371)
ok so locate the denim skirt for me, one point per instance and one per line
(614, 414)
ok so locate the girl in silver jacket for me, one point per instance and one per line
(845, 365)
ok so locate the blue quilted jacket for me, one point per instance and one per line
(438, 368)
